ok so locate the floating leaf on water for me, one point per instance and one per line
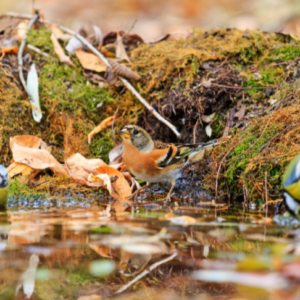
(33, 90)
(101, 268)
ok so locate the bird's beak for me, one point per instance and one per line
(124, 133)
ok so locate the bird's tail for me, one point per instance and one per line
(199, 150)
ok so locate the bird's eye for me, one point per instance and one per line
(135, 131)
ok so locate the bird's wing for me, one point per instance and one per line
(173, 153)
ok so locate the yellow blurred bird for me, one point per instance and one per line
(4, 187)
(291, 186)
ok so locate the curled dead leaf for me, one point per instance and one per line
(120, 50)
(120, 188)
(123, 71)
(104, 124)
(60, 52)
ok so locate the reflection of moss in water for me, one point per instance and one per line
(63, 284)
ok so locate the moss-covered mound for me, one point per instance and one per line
(217, 71)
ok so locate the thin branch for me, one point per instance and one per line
(147, 271)
(103, 58)
(39, 51)
(20, 54)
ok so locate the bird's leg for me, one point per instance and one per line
(138, 191)
(168, 198)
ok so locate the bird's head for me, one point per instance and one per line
(138, 137)
(3, 177)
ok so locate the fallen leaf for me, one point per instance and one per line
(60, 51)
(30, 141)
(209, 118)
(206, 83)
(21, 30)
(145, 248)
(90, 61)
(208, 130)
(129, 39)
(33, 90)
(103, 178)
(104, 124)
(37, 159)
(115, 155)
(79, 169)
(120, 50)
(60, 35)
(120, 188)
(240, 114)
(122, 70)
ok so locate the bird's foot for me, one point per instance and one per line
(137, 192)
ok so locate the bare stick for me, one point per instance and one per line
(103, 58)
(147, 271)
(37, 50)
(20, 54)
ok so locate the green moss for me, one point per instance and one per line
(284, 52)
(17, 188)
(40, 38)
(101, 145)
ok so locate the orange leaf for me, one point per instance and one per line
(104, 124)
(60, 52)
(90, 61)
(120, 187)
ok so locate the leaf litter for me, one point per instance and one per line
(209, 75)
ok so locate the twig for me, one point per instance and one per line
(194, 132)
(20, 54)
(113, 124)
(39, 51)
(266, 190)
(127, 32)
(147, 271)
(103, 58)
(275, 65)
(244, 88)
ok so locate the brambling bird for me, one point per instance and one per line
(4, 188)
(291, 186)
(155, 161)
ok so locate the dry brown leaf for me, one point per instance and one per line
(29, 141)
(115, 155)
(60, 52)
(90, 61)
(120, 188)
(104, 124)
(240, 114)
(79, 168)
(122, 70)
(37, 159)
(120, 50)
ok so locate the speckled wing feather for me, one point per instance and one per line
(178, 152)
